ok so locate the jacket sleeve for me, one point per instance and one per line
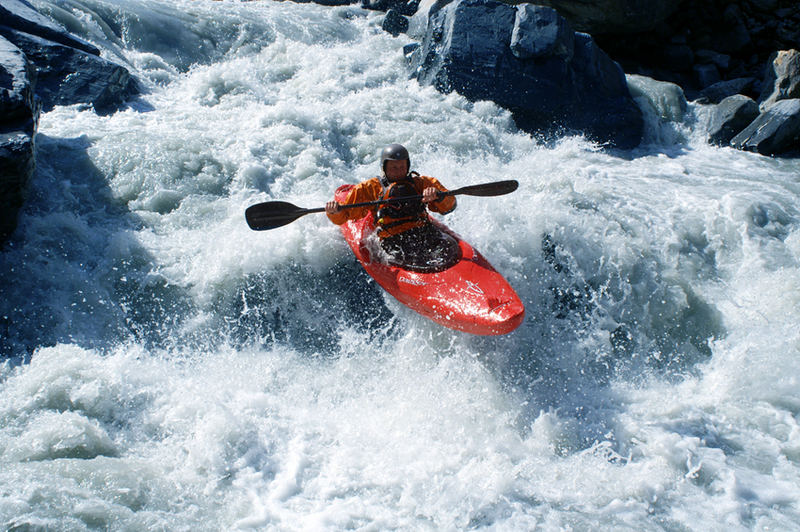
(444, 205)
(365, 191)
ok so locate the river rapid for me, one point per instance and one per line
(166, 368)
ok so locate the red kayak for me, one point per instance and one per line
(465, 294)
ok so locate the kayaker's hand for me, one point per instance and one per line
(430, 194)
(332, 207)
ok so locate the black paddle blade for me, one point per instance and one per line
(498, 188)
(272, 214)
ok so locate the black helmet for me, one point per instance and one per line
(394, 152)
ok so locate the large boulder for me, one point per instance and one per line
(730, 117)
(527, 59)
(67, 75)
(69, 70)
(20, 15)
(782, 79)
(776, 131)
(19, 113)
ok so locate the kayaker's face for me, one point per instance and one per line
(395, 170)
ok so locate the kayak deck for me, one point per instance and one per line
(468, 296)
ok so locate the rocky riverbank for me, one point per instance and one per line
(711, 51)
(560, 66)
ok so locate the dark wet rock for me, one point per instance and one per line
(706, 75)
(615, 16)
(733, 34)
(17, 101)
(730, 117)
(661, 99)
(19, 112)
(394, 23)
(719, 91)
(331, 3)
(16, 168)
(528, 60)
(775, 131)
(69, 70)
(678, 55)
(402, 7)
(721, 61)
(67, 75)
(21, 16)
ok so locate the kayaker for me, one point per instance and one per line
(404, 229)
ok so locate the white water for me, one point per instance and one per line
(169, 369)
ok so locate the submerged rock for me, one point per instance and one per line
(527, 59)
(776, 131)
(665, 100)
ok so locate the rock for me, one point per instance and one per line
(16, 168)
(665, 100)
(68, 75)
(719, 91)
(706, 75)
(69, 69)
(329, 3)
(734, 35)
(409, 51)
(16, 89)
(20, 15)
(775, 131)
(764, 5)
(678, 56)
(730, 117)
(402, 7)
(394, 23)
(527, 60)
(614, 16)
(722, 61)
(553, 38)
(19, 112)
(782, 80)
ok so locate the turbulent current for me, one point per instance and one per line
(166, 368)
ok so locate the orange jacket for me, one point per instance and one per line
(371, 190)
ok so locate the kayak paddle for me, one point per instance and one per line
(272, 214)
